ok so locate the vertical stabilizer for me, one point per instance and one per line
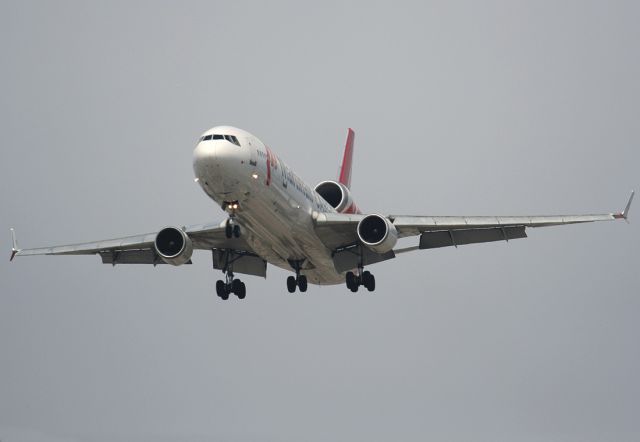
(345, 168)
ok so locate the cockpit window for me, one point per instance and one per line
(229, 138)
(232, 139)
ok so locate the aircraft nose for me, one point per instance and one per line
(204, 152)
(221, 167)
(204, 159)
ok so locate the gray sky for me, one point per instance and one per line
(459, 108)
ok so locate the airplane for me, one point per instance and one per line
(273, 216)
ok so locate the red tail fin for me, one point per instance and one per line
(345, 168)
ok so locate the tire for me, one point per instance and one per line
(302, 283)
(354, 288)
(351, 280)
(225, 296)
(220, 288)
(242, 292)
(236, 231)
(291, 284)
(370, 283)
(236, 286)
(228, 230)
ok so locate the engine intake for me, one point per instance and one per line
(377, 233)
(173, 246)
(338, 196)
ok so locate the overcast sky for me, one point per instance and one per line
(459, 108)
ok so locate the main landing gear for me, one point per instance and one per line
(365, 278)
(361, 276)
(299, 280)
(230, 285)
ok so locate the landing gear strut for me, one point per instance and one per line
(299, 280)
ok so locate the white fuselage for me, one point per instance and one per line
(275, 207)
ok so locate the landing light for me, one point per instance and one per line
(254, 176)
(196, 179)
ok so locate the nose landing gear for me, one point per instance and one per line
(231, 229)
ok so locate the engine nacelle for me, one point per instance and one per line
(338, 196)
(377, 233)
(173, 246)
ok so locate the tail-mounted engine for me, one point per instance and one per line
(338, 196)
(377, 233)
(173, 246)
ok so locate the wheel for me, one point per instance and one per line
(369, 281)
(228, 230)
(236, 231)
(242, 292)
(302, 283)
(354, 287)
(236, 286)
(220, 288)
(351, 280)
(291, 284)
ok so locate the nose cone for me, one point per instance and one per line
(204, 152)
(204, 159)
(219, 166)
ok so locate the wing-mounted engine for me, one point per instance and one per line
(338, 196)
(377, 233)
(173, 246)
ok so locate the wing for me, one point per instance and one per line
(338, 231)
(139, 249)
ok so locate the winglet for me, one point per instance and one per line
(625, 213)
(345, 168)
(14, 247)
